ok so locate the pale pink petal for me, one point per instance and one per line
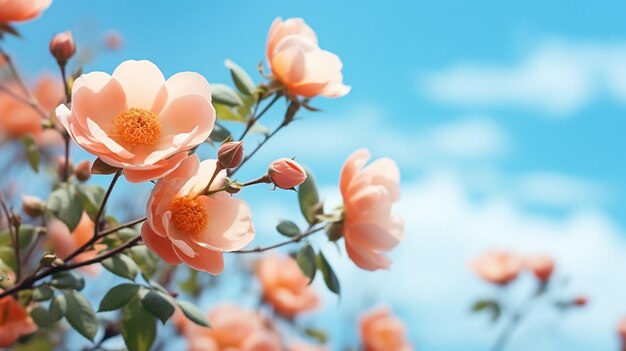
(385, 171)
(367, 259)
(205, 260)
(187, 113)
(162, 246)
(164, 168)
(99, 97)
(141, 80)
(350, 168)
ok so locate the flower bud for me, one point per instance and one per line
(580, 301)
(33, 206)
(230, 154)
(62, 47)
(233, 188)
(541, 266)
(50, 260)
(83, 170)
(286, 173)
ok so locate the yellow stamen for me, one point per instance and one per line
(138, 126)
(189, 215)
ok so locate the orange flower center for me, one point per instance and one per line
(189, 215)
(138, 126)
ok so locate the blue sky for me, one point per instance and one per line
(506, 120)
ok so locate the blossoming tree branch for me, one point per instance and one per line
(141, 127)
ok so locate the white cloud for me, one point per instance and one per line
(556, 77)
(553, 189)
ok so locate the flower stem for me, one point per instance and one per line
(295, 239)
(255, 118)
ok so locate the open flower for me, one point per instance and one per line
(234, 329)
(184, 225)
(18, 119)
(368, 194)
(285, 286)
(136, 120)
(64, 243)
(497, 267)
(382, 331)
(299, 64)
(14, 321)
(21, 10)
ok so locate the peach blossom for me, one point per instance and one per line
(136, 120)
(232, 329)
(370, 229)
(542, 266)
(18, 119)
(184, 225)
(299, 64)
(382, 331)
(64, 243)
(286, 173)
(497, 267)
(14, 321)
(284, 285)
(21, 10)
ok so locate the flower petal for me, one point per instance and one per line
(161, 246)
(141, 80)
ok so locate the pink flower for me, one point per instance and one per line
(63, 47)
(285, 286)
(541, 266)
(14, 321)
(232, 329)
(18, 120)
(368, 193)
(382, 331)
(621, 330)
(286, 173)
(184, 225)
(64, 243)
(136, 120)
(497, 267)
(21, 10)
(299, 64)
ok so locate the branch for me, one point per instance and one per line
(295, 239)
(267, 138)
(32, 102)
(255, 118)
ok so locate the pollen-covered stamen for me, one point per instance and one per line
(189, 214)
(138, 126)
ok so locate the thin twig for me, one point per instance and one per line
(32, 101)
(255, 118)
(295, 239)
(265, 140)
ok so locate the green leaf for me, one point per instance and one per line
(42, 293)
(7, 256)
(32, 153)
(242, 80)
(193, 313)
(489, 305)
(317, 334)
(138, 326)
(65, 204)
(41, 317)
(145, 259)
(91, 197)
(309, 198)
(158, 305)
(118, 296)
(58, 307)
(67, 280)
(27, 234)
(329, 275)
(306, 261)
(121, 265)
(225, 95)
(288, 228)
(101, 167)
(80, 315)
(226, 113)
(35, 344)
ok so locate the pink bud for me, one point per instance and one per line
(286, 173)
(580, 301)
(83, 170)
(230, 154)
(541, 266)
(32, 205)
(62, 47)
